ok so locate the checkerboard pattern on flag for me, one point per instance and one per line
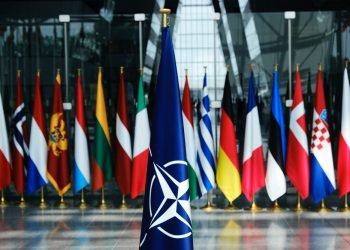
(193, 170)
(253, 159)
(123, 150)
(343, 172)
(297, 165)
(5, 157)
(322, 168)
(81, 170)
(141, 144)
(20, 140)
(37, 168)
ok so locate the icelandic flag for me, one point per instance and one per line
(322, 180)
(276, 158)
(166, 221)
(81, 171)
(37, 162)
(344, 141)
(206, 153)
(253, 177)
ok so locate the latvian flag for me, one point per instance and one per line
(322, 171)
(253, 159)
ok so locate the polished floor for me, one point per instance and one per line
(93, 228)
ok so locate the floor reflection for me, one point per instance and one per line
(115, 229)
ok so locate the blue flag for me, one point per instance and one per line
(166, 221)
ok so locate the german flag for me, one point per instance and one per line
(58, 171)
(102, 162)
(227, 173)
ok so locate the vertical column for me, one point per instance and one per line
(140, 18)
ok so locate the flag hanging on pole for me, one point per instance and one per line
(253, 159)
(141, 144)
(81, 170)
(322, 180)
(166, 221)
(297, 164)
(227, 174)
(102, 156)
(123, 148)
(5, 157)
(205, 149)
(193, 171)
(275, 180)
(58, 170)
(20, 140)
(37, 168)
(344, 140)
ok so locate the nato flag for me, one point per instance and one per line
(166, 221)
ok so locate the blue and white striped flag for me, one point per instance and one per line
(206, 152)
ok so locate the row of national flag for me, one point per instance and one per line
(310, 168)
(46, 158)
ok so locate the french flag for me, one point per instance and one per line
(37, 163)
(253, 177)
(322, 169)
(344, 141)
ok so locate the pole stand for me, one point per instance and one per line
(231, 207)
(253, 208)
(103, 204)
(275, 207)
(209, 206)
(62, 204)
(346, 207)
(323, 208)
(299, 207)
(124, 205)
(22, 203)
(3, 201)
(83, 204)
(43, 204)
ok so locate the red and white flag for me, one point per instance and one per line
(344, 141)
(123, 149)
(5, 158)
(297, 165)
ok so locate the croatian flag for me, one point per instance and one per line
(37, 163)
(322, 171)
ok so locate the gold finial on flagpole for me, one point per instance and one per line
(121, 69)
(18, 72)
(78, 69)
(297, 67)
(186, 71)
(346, 63)
(251, 66)
(275, 66)
(320, 67)
(38, 72)
(205, 69)
(227, 67)
(165, 18)
(43, 203)
(141, 71)
(100, 69)
(58, 70)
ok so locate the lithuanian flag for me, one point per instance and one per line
(227, 173)
(102, 154)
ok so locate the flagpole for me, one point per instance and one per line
(3, 201)
(324, 209)
(103, 204)
(22, 203)
(299, 207)
(346, 207)
(62, 203)
(82, 204)
(123, 205)
(43, 203)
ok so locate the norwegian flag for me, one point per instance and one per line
(344, 141)
(322, 180)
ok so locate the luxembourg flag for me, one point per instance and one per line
(322, 172)
(37, 165)
(253, 177)
(5, 160)
(344, 141)
(81, 172)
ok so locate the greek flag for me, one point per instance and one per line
(206, 153)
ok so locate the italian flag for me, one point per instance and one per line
(141, 145)
(187, 117)
(102, 154)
